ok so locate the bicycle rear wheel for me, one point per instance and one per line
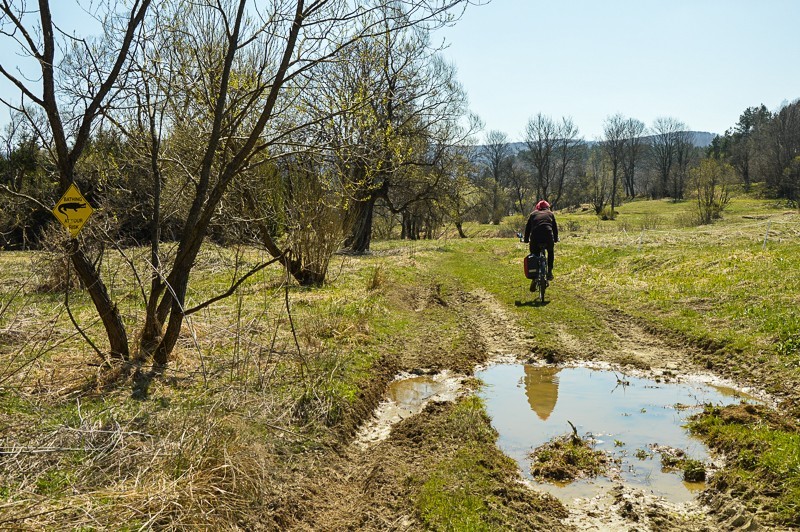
(542, 277)
(542, 287)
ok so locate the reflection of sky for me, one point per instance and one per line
(638, 415)
(412, 391)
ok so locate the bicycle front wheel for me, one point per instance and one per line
(542, 276)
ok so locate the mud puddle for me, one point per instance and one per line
(635, 420)
(406, 396)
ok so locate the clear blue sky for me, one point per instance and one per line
(700, 61)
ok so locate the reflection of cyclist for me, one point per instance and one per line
(542, 231)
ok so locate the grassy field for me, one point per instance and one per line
(725, 287)
(260, 393)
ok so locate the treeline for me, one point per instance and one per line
(632, 160)
(452, 181)
(371, 113)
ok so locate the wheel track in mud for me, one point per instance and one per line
(356, 492)
(498, 332)
(634, 344)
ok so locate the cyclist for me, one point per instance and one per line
(542, 231)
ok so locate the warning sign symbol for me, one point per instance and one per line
(72, 210)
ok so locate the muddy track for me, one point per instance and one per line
(634, 348)
(365, 487)
(496, 331)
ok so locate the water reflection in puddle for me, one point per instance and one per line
(406, 396)
(411, 394)
(529, 405)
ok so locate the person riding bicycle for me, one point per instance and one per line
(542, 232)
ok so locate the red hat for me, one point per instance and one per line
(542, 205)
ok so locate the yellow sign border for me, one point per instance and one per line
(72, 210)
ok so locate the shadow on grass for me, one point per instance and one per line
(534, 303)
(142, 381)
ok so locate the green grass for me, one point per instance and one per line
(452, 498)
(218, 406)
(761, 458)
(464, 490)
(716, 285)
(495, 266)
(566, 458)
(719, 287)
(712, 283)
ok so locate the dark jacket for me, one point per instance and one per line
(541, 227)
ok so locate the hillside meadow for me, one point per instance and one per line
(251, 425)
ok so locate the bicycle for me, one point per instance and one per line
(536, 271)
(535, 266)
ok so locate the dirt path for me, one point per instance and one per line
(630, 344)
(632, 347)
(371, 483)
(366, 486)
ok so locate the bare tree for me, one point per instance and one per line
(541, 138)
(615, 138)
(498, 156)
(71, 111)
(597, 177)
(567, 154)
(240, 68)
(685, 156)
(398, 111)
(664, 143)
(519, 180)
(461, 198)
(632, 153)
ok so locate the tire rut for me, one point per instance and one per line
(360, 489)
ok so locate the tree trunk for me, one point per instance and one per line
(614, 179)
(459, 227)
(304, 276)
(107, 310)
(359, 228)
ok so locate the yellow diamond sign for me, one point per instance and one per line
(72, 210)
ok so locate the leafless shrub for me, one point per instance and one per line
(52, 267)
(712, 180)
(315, 231)
(651, 222)
(377, 278)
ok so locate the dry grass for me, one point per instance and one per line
(226, 437)
(182, 468)
(244, 401)
(189, 456)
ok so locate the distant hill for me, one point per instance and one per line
(702, 139)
